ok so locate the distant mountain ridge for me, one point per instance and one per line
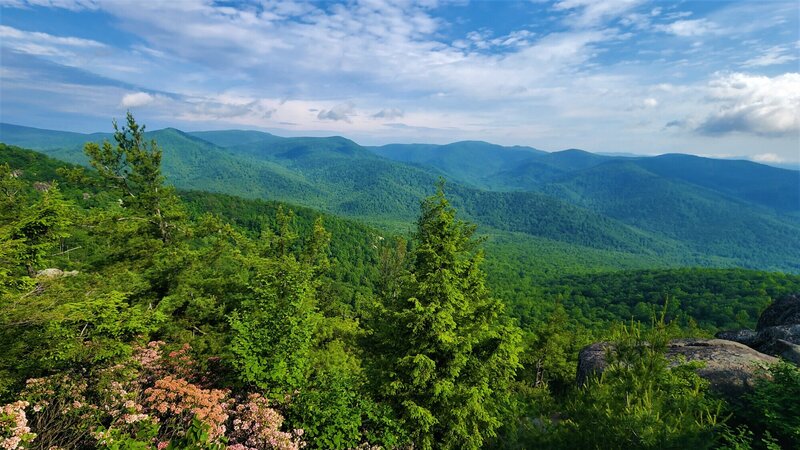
(680, 208)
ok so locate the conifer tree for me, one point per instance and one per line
(132, 169)
(444, 354)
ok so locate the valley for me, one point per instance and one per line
(677, 209)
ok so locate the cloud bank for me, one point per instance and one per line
(754, 104)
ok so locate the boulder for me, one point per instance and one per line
(777, 332)
(55, 273)
(784, 311)
(789, 351)
(49, 273)
(746, 337)
(767, 339)
(730, 367)
(592, 360)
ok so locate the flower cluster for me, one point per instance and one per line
(14, 430)
(257, 426)
(149, 356)
(154, 398)
(60, 402)
(178, 401)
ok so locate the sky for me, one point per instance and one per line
(712, 78)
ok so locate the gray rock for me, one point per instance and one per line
(592, 360)
(41, 186)
(746, 337)
(730, 367)
(789, 351)
(55, 273)
(778, 329)
(784, 311)
(767, 339)
(49, 273)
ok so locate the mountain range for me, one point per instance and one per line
(675, 209)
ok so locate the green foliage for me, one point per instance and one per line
(143, 439)
(273, 329)
(713, 298)
(330, 411)
(772, 409)
(466, 161)
(668, 210)
(640, 401)
(132, 169)
(708, 222)
(335, 415)
(444, 358)
(69, 323)
(28, 232)
(196, 438)
(550, 356)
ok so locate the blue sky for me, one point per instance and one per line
(713, 78)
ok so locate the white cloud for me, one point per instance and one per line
(136, 100)
(389, 114)
(588, 83)
(775, 55)
(753, 104)
(44, 44)
(767, 158)
(589, 13)
(689, 28)
(342, 111)
(228, 107)
(650, 102)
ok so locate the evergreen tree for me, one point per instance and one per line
(132, 169)
(444, 356)
(147, 224)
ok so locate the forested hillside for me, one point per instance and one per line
(675, 209)
(135, 316)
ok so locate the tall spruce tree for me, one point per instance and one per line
(444, 354)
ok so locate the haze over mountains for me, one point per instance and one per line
(676, 209)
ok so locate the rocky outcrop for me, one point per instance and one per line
(746, 337)
(784, 311)
(55, 273)
(789, 351)
(592, 361)
(777, 332)
(733, 361)
(730, 367)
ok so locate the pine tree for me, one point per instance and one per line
(445, 356)
(132, 169)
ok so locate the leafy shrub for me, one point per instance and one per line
(639, 401)
(773, 408)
